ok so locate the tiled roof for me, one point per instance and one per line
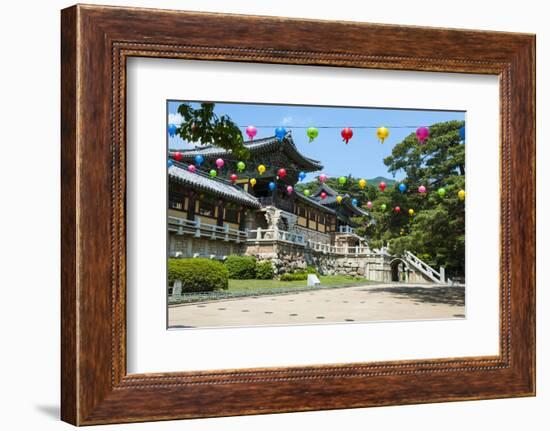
(330, 200)
(217, 186)
(314, 203)
(258, 145)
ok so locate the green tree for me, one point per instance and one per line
(202, 126)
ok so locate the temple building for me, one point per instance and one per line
(214, 217)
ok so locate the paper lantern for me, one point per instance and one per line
(402, 187)
(312, 133)
(199, 160)
(382, 133)
(397, 209)
(421, 189)
(411, 212)
(170, 163)
(369, 205)
(382, 186)
(192, 169)
(261, 169)
(323, 195)
(354, 202)
(339, 199)
(302, 176)
(251, 132)
(280, 133)
(220, 163)
(252, 182)
(241, 166)
(272, 186)
(307, 192)
(347, 134)
(172, 129)
(233, 178)
(342, 180)
(441, 192)
(177, 156)
(461, 195)
(289, 190)
(323, 178)
(281, 173)
(422, 134)
(362, 183)
(383, 207)
(213, 173)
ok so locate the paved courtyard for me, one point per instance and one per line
(372, 302)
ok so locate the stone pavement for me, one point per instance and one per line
(372, 302)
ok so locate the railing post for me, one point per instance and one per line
(198, 228)
(226, 229)
(442, 274)
(259, 234)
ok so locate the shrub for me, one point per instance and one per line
(241, 267)
(198, 274)
(294, 276)
(264, 270)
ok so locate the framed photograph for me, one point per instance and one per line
(322, 214)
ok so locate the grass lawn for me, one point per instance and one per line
(326, 281)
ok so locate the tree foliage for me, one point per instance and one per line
(202, 126)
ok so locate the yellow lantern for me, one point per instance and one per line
(411, 212)
(261, 169)
(461, 195)
(339, 199)
(253, 182)
(362, 183)
(382, 134)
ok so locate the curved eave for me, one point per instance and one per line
(218, 187)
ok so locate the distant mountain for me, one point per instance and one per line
(378, 180)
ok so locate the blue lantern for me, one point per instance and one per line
(170, 163)
(172, 130)
(280, 133)
(302, 176)
(462, 133)
(272, 186)
(199, 160)
(354, 202)
(402, 188)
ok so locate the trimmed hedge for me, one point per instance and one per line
(294, 276)
(198, 274)
(241, 267)
(264, 270)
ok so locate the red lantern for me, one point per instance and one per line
(397, 209)
(382, 186)
(347, 134)
(281, 172)
(233, 178)
(323, 195)
(177, 156)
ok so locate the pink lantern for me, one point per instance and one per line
(323, 178)
(289, 190)
(233, 178)
(323, 195)
(421, 189)
(220, 163)
(422, 134)
(192, 168)
(251, 132)
(369, 205)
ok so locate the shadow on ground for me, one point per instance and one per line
(433, 295)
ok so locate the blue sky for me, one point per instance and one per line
(362, 157)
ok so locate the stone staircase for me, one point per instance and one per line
(425, 269)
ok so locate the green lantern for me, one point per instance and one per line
(342, 180)
(213, 173)
(241, 166)
(383, 207)
(307, 192)
(441, 192)
(312, 133)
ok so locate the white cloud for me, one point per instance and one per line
(175, 118)
(286, 121)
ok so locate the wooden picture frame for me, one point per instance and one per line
(95, 42)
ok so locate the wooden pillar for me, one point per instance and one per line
(242, 218)
(220, 212)
(191, 205)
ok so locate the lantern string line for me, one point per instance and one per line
(325, 127)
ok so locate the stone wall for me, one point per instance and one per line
(189, 245)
